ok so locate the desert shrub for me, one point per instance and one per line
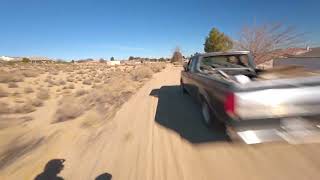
(12, 85)
(97, 80)
(71, 86)
(96, 86)
(141, 73)
(3, 93)
(68, 109)
(25, 108)
(87, 82)
(157, 67)
(81, 92)
(81, 72)
(19, 100)
(16, 94)
(5, 109)
(69, 79)
(62, 82)
(28, 90)
(25, 60)
(29, 73)
(54, 72)
(6, 77)
(36, 102)
(43, 94)
(51, 82)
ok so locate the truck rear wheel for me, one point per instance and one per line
(209, 117)
(183, 89)
(206, 114)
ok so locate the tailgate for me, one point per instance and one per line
(277, 103)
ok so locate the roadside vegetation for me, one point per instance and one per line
(70, 90)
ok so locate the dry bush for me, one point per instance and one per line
(157, 67)
(81, 92)
(69, 79)
(54, 72)
(52, 83)
(68, 109)
(97, 81)
(19, 100)
(12, 85)
(61, 82)
(16, 94)
(37, 102)
(5, 109)
(29, 73)
(3, 93)
(25, 108)
(48, 78)
(28, 90)
(71, 86)
(94, 86)
(81, 72)
(6, 77)
(141, 73)
(87, 82)
(43, 94)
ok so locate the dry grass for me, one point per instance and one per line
(13, 76)
(37, 102)
(3, 93)
(99, 89)
(62, 82)
(141, 73)
(5, 109)
(80, 92)
(87, 82)
(43, 94)
(29, 73)
(12, 85)
(23, 109)
(28, 90)
(71, 86)
(68, 109)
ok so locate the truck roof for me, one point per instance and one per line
(224, 53)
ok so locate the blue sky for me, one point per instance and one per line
(73, 29)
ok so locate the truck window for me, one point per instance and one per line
(225, 61)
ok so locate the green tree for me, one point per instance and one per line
(131, 58)
(112, 58)
(217, 41)
(25, 60)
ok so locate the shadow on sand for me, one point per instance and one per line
(55, 166)
(179, 112)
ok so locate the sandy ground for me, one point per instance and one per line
(157, 134)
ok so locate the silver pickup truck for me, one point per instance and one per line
(254, 105)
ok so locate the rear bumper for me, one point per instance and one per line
(298, 130)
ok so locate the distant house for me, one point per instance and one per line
(35, 59)
(309, 60)
(113, 63)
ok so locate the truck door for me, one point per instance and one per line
(191, 83)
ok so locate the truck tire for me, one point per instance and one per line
(209, 117)
(183, 89)
(206, 113)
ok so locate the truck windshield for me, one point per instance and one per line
(225, 61)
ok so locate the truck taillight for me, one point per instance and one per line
(229, 104)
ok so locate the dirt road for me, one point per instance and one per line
(157, 134)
